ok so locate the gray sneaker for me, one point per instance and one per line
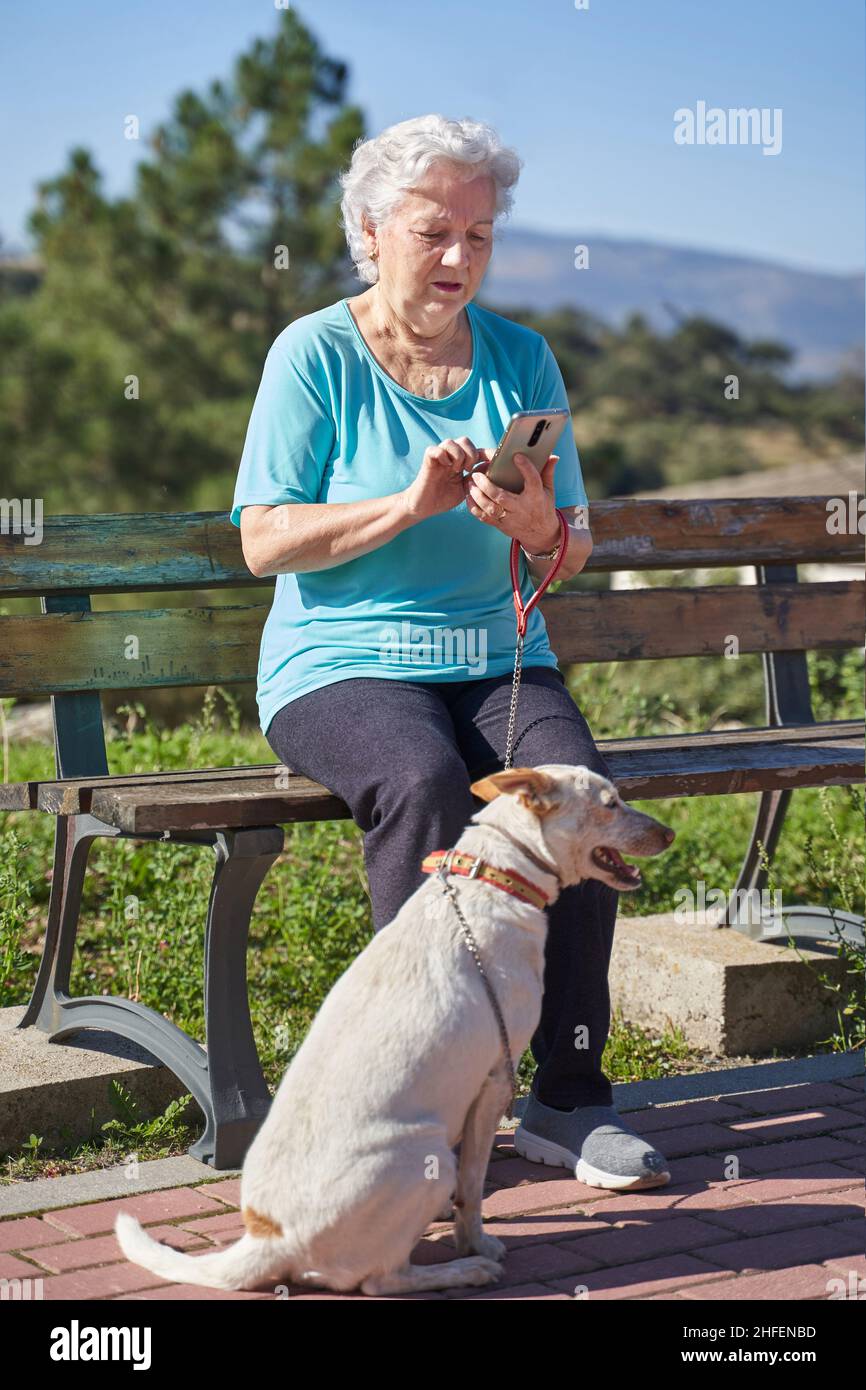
(594, 1141)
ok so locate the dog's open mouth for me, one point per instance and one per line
(613, 863)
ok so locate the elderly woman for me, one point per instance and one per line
(387, 657)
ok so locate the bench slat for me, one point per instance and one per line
(140, 551)
(59, 652)
(652, 624)
(670, 765)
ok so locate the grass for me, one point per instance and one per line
(144, 905)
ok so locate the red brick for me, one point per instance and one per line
(663, 1203)
(706, 1168)
(536, 1264)
(645, 1279)
(529, 1230)
(855, 1262)
(787, 1099)
(826, 1120)
(699, 1139)
(216, 1227)
(98, 1250)
(13, 1268)
(796, 1282)
(170, 1204)
(511, 1171)
(177, 1293)
(796, 1153)
(786, 1248)
(526, 1292)
(25, 1232)
(537, 1196)
(319, 1294)
(661, 1117)
(639, 1241)
(762, 1218)
(101, 1282)
(228, 1191)
(543, 1263)
(787, 1183)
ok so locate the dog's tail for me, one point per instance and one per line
(251, 1261)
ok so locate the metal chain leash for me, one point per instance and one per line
(491, 993)
(515, 692)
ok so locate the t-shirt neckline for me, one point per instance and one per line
(410, 395)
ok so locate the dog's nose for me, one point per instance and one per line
(670, 834)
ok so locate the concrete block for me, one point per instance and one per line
(730, 994)
(51, 1088)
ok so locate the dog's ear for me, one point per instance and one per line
(531, 787)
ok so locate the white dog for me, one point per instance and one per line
(405, 1059)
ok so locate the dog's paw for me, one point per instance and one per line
(491, 1247)
(482, 1270)
(488, 1247)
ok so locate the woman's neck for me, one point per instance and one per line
(398, 336)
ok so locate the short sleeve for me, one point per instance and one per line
(548, 391)
(290, 436)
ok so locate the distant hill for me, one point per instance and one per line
(818, 315)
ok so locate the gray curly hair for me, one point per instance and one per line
(384, 168)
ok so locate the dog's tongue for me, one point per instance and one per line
(620, 862)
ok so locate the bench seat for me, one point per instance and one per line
(646, 768)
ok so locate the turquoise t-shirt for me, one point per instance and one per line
(330, 425)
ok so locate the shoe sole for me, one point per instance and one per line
(537, 1150)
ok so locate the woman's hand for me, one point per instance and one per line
(439, 485)
(528, 516)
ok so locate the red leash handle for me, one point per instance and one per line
(523, 613)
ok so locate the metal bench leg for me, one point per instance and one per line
(73, 836)
(769, 819)
(240, 1099)
(787, 701)
(227, 1079)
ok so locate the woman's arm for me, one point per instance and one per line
(295, 537)
(292, 537)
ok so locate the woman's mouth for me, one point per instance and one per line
(448, 286)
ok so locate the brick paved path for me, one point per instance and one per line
(789, 1220)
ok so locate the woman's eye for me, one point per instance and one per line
(432, 236)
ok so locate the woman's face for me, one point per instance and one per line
(435, 246)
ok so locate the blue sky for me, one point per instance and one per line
(586, 97)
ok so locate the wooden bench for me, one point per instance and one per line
(72, 654)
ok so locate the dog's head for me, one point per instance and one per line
(573, 818)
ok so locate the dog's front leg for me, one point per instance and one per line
(476, 1143)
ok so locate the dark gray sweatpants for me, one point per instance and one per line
(402, 755)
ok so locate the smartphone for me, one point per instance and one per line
(530, 432)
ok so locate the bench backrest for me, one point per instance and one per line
(73, 653)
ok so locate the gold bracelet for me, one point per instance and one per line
(544, 555)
